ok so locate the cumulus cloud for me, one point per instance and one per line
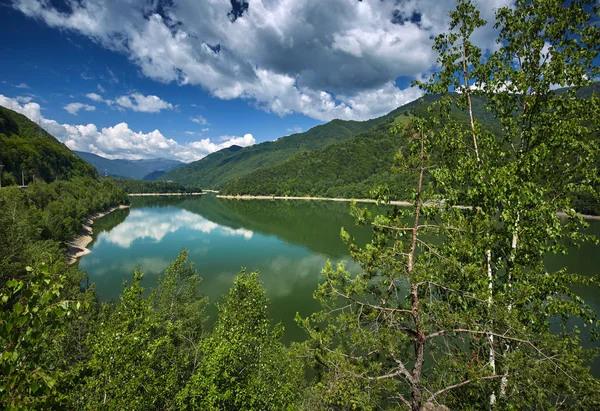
(333, 59)
(74, 108)
(95, 97)
(145, 104)
(120, 141)
(135, 101)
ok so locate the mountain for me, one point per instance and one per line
(354, 167)
(27, 151)
(136, 169)
(221, 167)
(349, 168)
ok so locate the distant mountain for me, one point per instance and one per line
(217, 169)
(28, 151)
(136, 169)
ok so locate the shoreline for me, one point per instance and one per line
(163, 194)
(358, 200)
(77, 247)
(347, 200)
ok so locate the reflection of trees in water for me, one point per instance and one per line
(312, 224)
(110, 221)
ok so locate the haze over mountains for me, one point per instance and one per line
(147, 169)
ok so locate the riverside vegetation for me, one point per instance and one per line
(454, 309)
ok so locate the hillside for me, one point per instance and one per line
(347, 169)
(27, 150)
(351, 168)
(136, 169)
(217, 169)
(354, 167)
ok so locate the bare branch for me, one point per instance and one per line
(461, 384)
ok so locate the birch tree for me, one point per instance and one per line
(458, 308)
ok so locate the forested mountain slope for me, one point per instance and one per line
(351, 168)
(26, 147)
(354, 167)
(136, 169)
(217, 169)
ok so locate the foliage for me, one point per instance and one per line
(245, 366)
(32, 311)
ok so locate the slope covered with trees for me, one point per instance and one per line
(353, 168)
(29, 153)
(217, 169)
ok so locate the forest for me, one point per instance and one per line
(452, 310)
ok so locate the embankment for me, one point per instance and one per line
(77, 247)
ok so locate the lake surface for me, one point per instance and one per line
(287, 241)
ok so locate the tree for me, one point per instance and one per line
(32, 311)
(456, 308)
(245, 365)
(144, 350)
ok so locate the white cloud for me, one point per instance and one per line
(22, 85)
(325, 59)
(119, 141)
(199, 120)
(101, 89)
(295, 129)
(134, 101)
(23, 99)
(95, 97)
(74, 108)
(207, 146)
(145, 104)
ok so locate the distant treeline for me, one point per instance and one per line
(139, 186)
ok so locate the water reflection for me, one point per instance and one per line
(288, 244)
(154, 224)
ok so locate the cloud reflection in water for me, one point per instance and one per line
(149, 224)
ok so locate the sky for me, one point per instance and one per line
(181, 79)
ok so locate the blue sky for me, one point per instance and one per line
(184, 78)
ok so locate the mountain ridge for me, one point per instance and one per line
(217, 169)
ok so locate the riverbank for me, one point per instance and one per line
(358, 200)
(77, 247)
(163, 194)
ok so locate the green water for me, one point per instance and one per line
(287, 241)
